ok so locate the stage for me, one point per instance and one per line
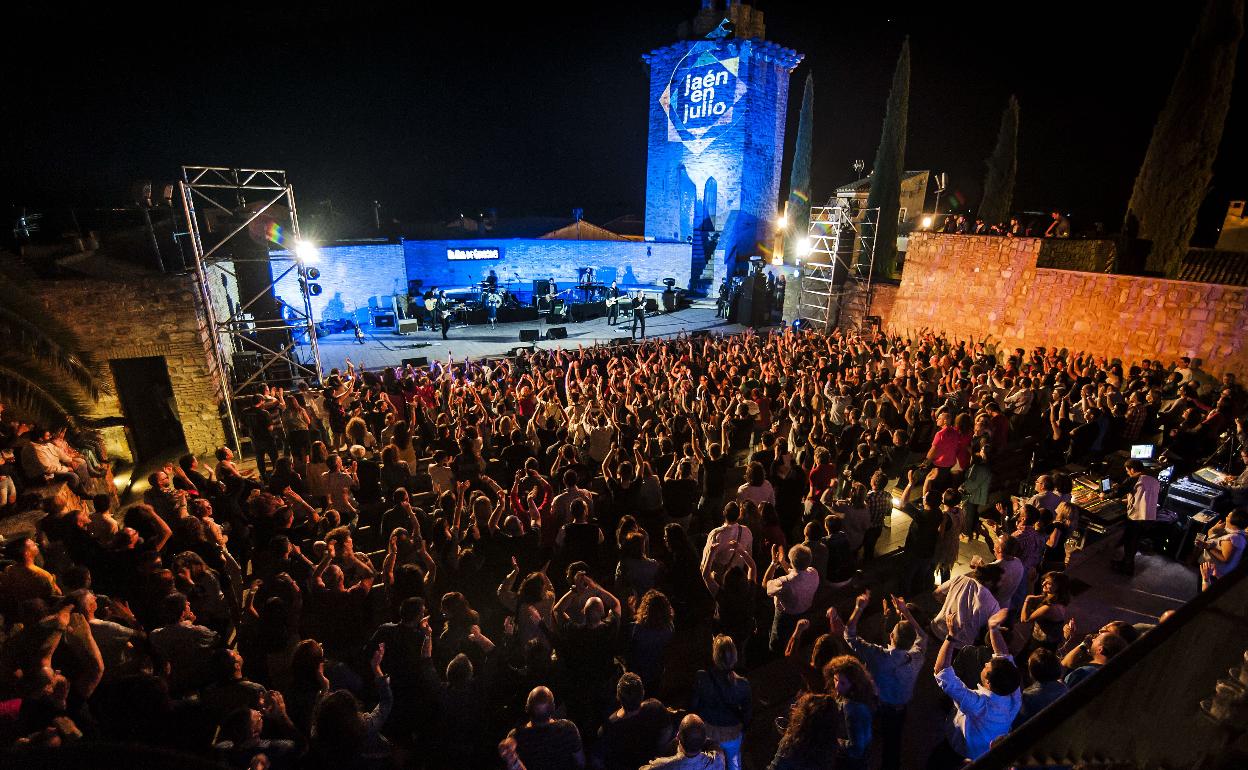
(384, 348)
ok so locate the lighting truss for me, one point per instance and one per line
(836, 274)
(256, 193)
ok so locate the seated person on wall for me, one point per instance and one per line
(44, 462)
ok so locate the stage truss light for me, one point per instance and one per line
(307, 253)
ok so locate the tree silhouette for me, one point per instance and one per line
(1002, 169)
(1178, 166)
(799, 176)
(890, 161)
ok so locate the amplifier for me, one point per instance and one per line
(1189, 496)
(384, 320)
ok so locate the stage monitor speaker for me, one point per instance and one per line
(418, 361)
(246, 365)
(557, 333)
(529, 335)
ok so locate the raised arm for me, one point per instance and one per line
(999, 646)
(860, 606)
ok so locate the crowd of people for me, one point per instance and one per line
(589, 557)
(960, 224)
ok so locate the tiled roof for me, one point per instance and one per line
(1229, 268)
(864, 184)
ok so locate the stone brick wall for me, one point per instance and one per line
(142, 317)
(883, 297)
(970, 286)
(629, 262)
(1089, 256)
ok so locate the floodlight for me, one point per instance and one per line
(306, 252)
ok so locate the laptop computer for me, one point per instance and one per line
(1142, 451)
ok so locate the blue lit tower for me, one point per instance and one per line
(717, 110)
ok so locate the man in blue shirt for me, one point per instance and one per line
(895, 668)
(981, 715)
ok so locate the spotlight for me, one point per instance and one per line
(782, 220)
(802, 247)
(927, 223)
(306, 252)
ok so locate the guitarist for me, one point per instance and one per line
(430, 302)
(613, 304)
(442, 312)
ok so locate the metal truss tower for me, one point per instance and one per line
(249, 351)
(836, 275)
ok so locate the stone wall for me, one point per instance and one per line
(883, 297)
(971, 286)
(1089, 256)
(137, 318)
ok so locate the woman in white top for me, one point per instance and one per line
(758, 489)
(1225, 547)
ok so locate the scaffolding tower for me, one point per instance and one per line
(249, 351)
(836, 276)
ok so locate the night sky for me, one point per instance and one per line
(533, 108)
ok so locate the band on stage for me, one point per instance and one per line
(440, 309)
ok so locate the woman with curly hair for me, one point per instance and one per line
(809, 741)
(847, 680)
(648, 638)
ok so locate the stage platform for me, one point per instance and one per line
(384, 348)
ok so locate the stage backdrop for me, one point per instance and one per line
(629, 262)
(358, 275)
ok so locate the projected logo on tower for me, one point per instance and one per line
(700, 98)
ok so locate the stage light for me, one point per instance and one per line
(782, 220)
(802, 247)
(306, 252)
(927, 223)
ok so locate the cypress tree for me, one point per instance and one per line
(889, 165)
(1002, 169)
(799, 176)
(1178, 166)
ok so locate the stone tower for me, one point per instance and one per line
(717, 109)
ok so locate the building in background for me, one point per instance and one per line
(913, 203)
(1234, 234)
(718, 99)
